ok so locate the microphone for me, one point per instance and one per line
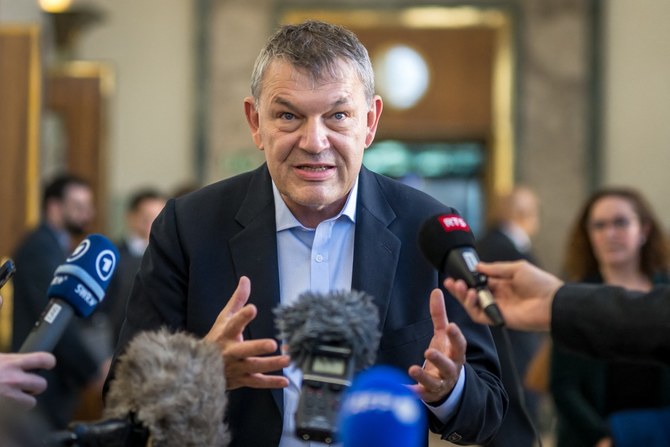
(447, 242)
(330, 337)
(168, 387)
(78, 286)
(379, 410)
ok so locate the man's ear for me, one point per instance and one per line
(251, 114)
(374, 113)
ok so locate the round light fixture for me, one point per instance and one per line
(55, 5)
(401, 75)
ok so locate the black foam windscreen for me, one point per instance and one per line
(340, 316)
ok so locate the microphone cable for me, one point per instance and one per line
(518, 388)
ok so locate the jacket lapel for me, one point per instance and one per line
(376, 248)
(255, 255)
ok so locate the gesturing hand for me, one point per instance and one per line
(245, 361)
(445, 355)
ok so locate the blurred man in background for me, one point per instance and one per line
(509, 239)
(67, 213)
(143, 207)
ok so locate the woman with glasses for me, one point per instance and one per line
(618, 241)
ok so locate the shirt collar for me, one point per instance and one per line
(286, 220)
(136, 245)
(518, 237)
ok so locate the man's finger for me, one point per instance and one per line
(236, 324)
(240, 295)
(448, 362)
(237, 300)
(438, 312)
(253, 365)
(266, 381)
(252, 348)
(457, 343)
(251, 371)
(429, 387)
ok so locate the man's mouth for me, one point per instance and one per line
(314, 168)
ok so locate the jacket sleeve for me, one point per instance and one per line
(577, 386)
(484, 400)
(158, 295)
(610, 322)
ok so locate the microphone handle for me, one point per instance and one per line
(49, 327)
(490, 307)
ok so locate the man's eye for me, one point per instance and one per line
(287, 116)
(339, 116)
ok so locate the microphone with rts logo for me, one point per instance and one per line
(448, 243)
(78, 287)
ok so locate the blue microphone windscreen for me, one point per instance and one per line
(83, 279)
(380, 410)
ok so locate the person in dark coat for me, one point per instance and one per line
(68, 211)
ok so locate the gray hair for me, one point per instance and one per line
(315, 47)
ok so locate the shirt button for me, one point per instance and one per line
(318, 258)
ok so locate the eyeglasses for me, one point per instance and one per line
(619, 223)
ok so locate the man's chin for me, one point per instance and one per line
(76, 230)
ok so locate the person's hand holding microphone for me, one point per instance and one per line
(523, 292)
(16, 383)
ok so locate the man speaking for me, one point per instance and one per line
(311, 218)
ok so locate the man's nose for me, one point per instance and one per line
(314, 136)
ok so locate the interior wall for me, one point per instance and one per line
(555, 104)
(150, 46)
(637, 99)
(19, 11)
(554, 101)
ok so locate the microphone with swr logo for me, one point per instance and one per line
(78, 286)
(448, 243)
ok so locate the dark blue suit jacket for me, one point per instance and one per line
(203, 242)
(612, 323)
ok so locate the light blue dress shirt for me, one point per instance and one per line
(321, 260)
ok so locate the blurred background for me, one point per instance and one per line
(562, 96)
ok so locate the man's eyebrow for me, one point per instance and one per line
(288, 104)
(284, 102)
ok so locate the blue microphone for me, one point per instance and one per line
(78, 287)
(379, 410)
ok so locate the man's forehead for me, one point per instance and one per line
(335, 72)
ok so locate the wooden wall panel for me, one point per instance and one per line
(458, 103)
(77, 92)
(19, 132)
(20, 94)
